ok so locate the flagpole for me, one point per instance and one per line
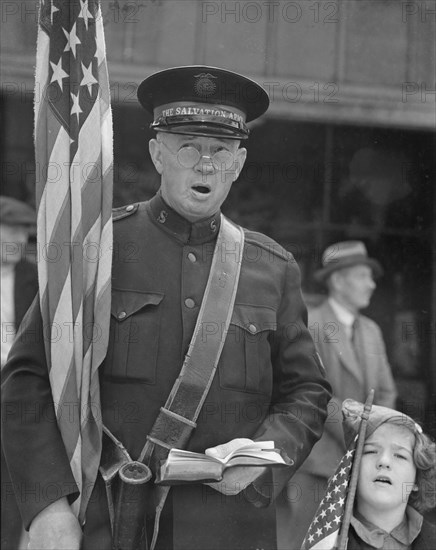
(343, 536)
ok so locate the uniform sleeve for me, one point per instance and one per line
(33, 447)
(301, 391)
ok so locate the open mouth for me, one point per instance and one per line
(382, 479)
(201, 189)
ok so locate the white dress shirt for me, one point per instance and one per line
(345, 317)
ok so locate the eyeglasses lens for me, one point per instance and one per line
(188, 157)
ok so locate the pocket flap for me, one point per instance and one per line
(127, 302)
(254, 319)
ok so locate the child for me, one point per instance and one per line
(396, 481)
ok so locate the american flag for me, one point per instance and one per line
(73, 148)
(324, 530)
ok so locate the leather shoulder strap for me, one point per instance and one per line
(177, 419)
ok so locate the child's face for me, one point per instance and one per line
(387, 471)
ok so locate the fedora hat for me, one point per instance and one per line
(345, 254)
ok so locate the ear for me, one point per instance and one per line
(240, 158)
(155, 149)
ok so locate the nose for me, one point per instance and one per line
(384, 461)
(369, 280)
(205, 165)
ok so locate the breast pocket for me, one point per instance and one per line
(245, 362)
(134, 335)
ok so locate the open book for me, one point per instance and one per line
(185, 466)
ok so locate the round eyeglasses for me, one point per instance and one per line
(189, 156)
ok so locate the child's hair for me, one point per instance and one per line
(424, 448)
(424, 457)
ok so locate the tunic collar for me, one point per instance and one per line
(404, 533)
(180, 228)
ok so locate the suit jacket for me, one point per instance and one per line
(349, 379)
(269, 383)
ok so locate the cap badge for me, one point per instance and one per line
(204, 85)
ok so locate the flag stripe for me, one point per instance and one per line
(73, 147)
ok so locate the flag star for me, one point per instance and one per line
(332, 506)
(349, 454)
(342, 472)
(323, 514)
(72, 40)
(319, 532)
(345, 483)
(315, 520)
(328, 525)
(58, 73)
(334, 478)
(85, 14)
(328, 496)
(310, 538)
(336, 489)
(337, 520)
(88, 78)
(341, 501)
(75, 109)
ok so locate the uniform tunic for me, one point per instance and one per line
(269, 382)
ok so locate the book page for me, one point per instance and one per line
(254, 449)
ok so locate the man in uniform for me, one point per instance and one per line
(269, 383)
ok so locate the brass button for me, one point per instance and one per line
(189, 303)
(129, 208)
(122, 315)
(191, 257)
(252, 328)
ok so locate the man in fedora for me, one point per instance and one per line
(269, 383)
(353, 352)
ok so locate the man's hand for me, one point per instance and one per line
(237, 478)
(55, 528)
